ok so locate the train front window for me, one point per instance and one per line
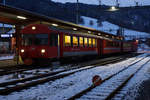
(27, 39)
(34, 39)
(41, 39)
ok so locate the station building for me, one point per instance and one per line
(7, 39)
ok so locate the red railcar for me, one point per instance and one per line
(40, 41)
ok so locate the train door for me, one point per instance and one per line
(100, 46)
(53, 50)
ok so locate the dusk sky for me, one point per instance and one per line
(109, 2)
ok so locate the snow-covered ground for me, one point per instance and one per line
(143, 48)
(5, 57)
(66, 87)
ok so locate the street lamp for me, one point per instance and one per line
(113, 8)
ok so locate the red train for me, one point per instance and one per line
(40, 41)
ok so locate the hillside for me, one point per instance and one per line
(136, 18)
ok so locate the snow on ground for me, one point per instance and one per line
(67, 86)
(143, 48)
(28, 73)
(134, 84)
(6, 57)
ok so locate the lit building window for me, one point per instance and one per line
(81, 41)
(75, 41)
(67, 40)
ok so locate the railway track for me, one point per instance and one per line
(111, 85)
(15, 85)
(7, 71)
(22, 68)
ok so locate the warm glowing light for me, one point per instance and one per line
(43, 51)
(21, 17)
(33, 27)
(55, 25)
(89, 31)
(106, 35)
(67, 40)
(74, 29)
(113, 8)
(22, 50)
(99, 33)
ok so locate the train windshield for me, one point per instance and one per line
(34, 39)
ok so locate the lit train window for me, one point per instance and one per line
(94, 43)
(85, 41)
(75, 41)
(90, 42)
(81, 41)
(67, 40)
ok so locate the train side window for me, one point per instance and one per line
(81, 41)
(67, 40)
(75, 41)
(85, 41)
(53, 39)
(90, 42)
(94, 43)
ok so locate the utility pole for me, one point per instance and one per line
(77, 12)
(117, 3)
(100, 3)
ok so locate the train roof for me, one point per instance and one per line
(68, 30)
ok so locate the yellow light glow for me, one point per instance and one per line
(74, 29)
(22, 50)
(85, 41)
(81, 41)
(43, 51)
(67, 40)
(21, 17)
(90, 42)
(93, 42)
(99, 33)
(55, 25)
(75, 40)
(33, 27)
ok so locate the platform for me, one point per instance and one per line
(7, 60)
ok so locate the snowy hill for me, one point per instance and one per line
(112, 28)
(123, 3)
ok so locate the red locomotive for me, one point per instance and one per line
(40, 41)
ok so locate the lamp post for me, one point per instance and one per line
(117, 3)
(77, 12)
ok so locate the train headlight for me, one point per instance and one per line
(22, 50)
(43, 51)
